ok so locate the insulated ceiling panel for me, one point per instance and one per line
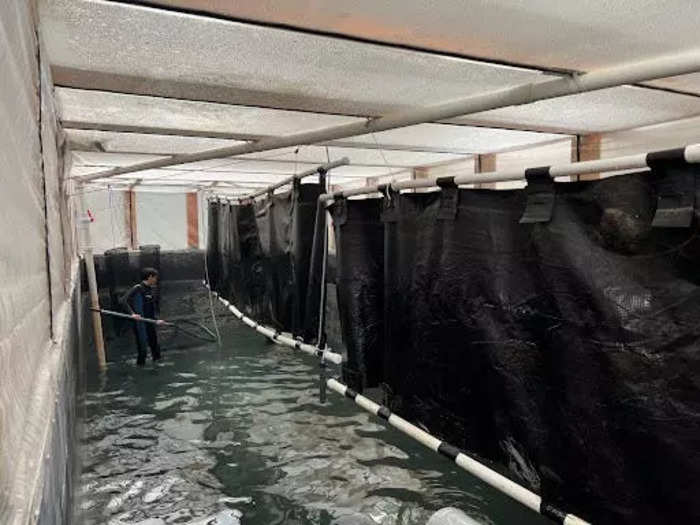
(135, 143)
(110, 141)
(131, 48)
(611, 109)
(458, 138)
(115, 109)
(573, 35)
(136, 112)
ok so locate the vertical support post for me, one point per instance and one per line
(192, 220)
(95, 304)
(323, 180)
(589, 149)
(130, 218)
(92, 287)
(486, 163)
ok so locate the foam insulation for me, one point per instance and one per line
(250, 64)
(612, 32)
(136, 112)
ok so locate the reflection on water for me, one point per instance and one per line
(238, 435)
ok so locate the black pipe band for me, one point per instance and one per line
(666, 155)
(445, 182)
(384, 412)
(552, 512)
(447, 450)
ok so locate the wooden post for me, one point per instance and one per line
(589, 149)
(484, 164)
(192, 220)
(92, 286)
(95, 304)
(130, 219)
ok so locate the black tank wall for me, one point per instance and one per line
(265, 254)
(566, 350)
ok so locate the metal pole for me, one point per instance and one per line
(321, 339)
(642, 71)
(689, 154)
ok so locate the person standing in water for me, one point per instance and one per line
(141, 302)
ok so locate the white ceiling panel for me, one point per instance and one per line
(611, 109)
(459, 138)
(140, 111)
(105, 144)
(110, 141)
(132, 110)
(565, 34)
(257, 65)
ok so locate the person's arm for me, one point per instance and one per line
(128, 300)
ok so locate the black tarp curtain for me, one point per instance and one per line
(259, 256)
(567, 350)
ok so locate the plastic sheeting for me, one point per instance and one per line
(567, 350)
(259, 255)
(35, 269)
(359, 280)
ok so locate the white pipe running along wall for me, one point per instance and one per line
(485, 474)
(642, 71)
(689, 154)
(276, 336)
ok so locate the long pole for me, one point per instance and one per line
(689, 154)
(642, 71)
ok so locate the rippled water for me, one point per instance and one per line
(237, 435)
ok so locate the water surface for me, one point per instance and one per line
(237, 435)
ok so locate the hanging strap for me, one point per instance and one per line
(449, 198)
(540, 196)
(340, 211)
(676, 189)
(390, 212)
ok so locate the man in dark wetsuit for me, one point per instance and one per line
(141, 302)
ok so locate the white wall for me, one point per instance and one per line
(109, 227)
(162, 219)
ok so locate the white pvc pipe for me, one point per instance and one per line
(484, 473)
(691, 155)
(642, 71)
(278, 338)
(325, 167)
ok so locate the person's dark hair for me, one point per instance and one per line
(147, 272)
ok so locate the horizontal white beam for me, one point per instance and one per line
(635, 72)
(690, 154)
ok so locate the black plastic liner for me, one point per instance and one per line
(265, 254)
(568, 350)
(359, 281)
(213, 245)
